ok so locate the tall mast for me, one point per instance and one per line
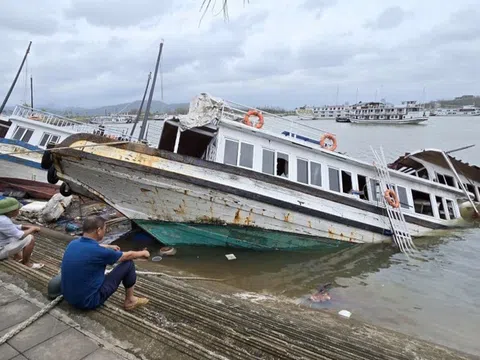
(31, 92)
(16, 78)
(150, 97)
(141, 105)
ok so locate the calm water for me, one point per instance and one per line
(435, 296)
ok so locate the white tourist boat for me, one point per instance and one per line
(410, 112)
(217, 178)
(327, 112)
(468, 110)
(30, 131)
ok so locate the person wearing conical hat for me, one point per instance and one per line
(15, 240)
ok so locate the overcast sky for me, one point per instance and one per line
(271, 52)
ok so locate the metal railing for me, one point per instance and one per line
(279, 125)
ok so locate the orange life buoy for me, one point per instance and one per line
(391, 198)
(246, 119)
(328, 137)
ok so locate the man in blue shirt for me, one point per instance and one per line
(84, 283)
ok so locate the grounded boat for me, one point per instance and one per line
(342, 119)
(217, 178)
(380, 113)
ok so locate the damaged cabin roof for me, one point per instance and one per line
(436, 157)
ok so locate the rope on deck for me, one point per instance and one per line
(171, 276)
(30, 320)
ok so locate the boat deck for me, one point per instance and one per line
(198, 319)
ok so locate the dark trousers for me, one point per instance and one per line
(122, 273)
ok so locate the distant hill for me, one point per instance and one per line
(156, 107)
(457, 102)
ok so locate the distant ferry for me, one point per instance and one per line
(380, 113)
(322, 113)
(468, 110)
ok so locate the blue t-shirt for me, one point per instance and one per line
(83, 271)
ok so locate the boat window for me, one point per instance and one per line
(334, 179)
(168, 137)
(362, 187)
(441, 210)
(268, 161)
(471, 190)
(346, 182)
(22, 134)
(375, 185)
(441, 179)
(194, 142)
(246, 155)
(316, 174)
(231, 152)
(402, 197)
(302, 171)
(422, 203)
(449, 180)
(48, 138)
(282, 165)
(451, 211)
(422, 173)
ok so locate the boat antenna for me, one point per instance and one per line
(141, 105)
(16, 78)
(150, 96)
(31, 92)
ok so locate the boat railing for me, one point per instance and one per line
(72, 126)
(279, 125)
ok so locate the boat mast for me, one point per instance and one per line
(15, 80)
(141, 105)
(150, 96)
(31, 92)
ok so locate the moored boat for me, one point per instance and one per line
(218, 178)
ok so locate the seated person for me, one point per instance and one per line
(84, 283)
(15, 240)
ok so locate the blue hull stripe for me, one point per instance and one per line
(17, 160)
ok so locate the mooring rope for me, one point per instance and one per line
(30, 320)
(171, 276)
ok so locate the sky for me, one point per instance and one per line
(90, 53)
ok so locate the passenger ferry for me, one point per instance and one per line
(322, 113)
(216, 177)
(380, 113)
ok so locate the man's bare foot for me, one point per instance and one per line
(135, 302)
(35, 266)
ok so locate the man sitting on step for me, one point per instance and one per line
(84, 283)
(15, 240)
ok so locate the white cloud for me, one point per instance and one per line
(90, 53)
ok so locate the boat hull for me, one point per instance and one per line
(390, 122)
(149, 185)
(236, 236)
(21, 166)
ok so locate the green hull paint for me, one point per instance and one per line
(178, 234)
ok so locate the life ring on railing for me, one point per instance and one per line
(330, 137)
(246, 119)
(392, 198)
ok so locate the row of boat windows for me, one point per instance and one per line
(310, 173)
(24, 134)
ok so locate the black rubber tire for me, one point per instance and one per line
(65, 190)
(52, 177)
(47, 160)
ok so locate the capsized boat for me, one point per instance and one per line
(218, 178)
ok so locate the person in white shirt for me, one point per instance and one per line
(15, 240)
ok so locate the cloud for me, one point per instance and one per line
(388, 19)
(270, 52)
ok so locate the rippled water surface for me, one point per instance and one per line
(435, 296)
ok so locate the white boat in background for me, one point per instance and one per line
(31, 131)
(467, 110)
(327, 112)
(410, 112)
